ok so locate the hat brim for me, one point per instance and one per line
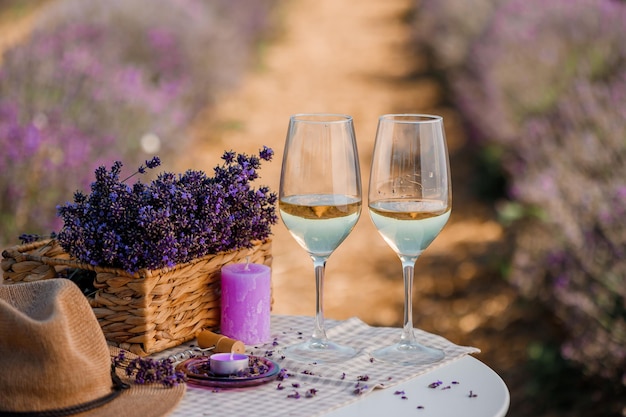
(140, 400)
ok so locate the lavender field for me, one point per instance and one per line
(96, 82)
(541, 87)
(531, 268)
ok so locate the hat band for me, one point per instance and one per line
(118, 387)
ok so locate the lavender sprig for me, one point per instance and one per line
(147, 370)
(33, 237)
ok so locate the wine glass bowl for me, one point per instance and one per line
(320, 203)
(409, 203)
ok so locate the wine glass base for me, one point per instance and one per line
(317, 351)
(409, 354)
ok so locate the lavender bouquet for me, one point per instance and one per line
(173, 219)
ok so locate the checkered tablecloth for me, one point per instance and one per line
(334, 384)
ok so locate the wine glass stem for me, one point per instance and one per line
(408, 266)
(319, 332)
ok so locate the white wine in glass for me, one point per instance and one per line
(410, 200)
(320, 202)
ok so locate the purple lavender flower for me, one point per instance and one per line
(171, 220)
(435, 384)
(147, 370)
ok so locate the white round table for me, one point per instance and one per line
(490, 396)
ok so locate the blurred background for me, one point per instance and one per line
(531, 268)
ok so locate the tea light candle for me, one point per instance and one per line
(246, 298)
(228, 363)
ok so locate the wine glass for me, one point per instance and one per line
(409, 203)
(320, 202)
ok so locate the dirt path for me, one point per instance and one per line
(319, 64)
(332, 56)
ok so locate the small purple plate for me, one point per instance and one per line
(197, 371)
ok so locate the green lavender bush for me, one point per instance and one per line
(545, 84)
(573, 167)
(449, 28)
(103, 81)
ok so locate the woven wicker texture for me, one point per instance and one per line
(147, 311)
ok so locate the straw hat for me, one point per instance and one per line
(54, 357)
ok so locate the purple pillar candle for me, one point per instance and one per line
(246, 299)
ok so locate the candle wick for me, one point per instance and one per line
(247, 268)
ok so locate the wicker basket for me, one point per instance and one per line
(145, 312)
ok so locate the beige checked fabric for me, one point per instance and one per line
(333, 385)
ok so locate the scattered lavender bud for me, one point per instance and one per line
(294, 395)
(283, 374)
(359, 389)
(435, 384)
(310, 393)
(472, 395)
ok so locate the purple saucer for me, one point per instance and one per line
(198, 373)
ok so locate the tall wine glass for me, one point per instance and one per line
(409, 203)
(320, 202)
